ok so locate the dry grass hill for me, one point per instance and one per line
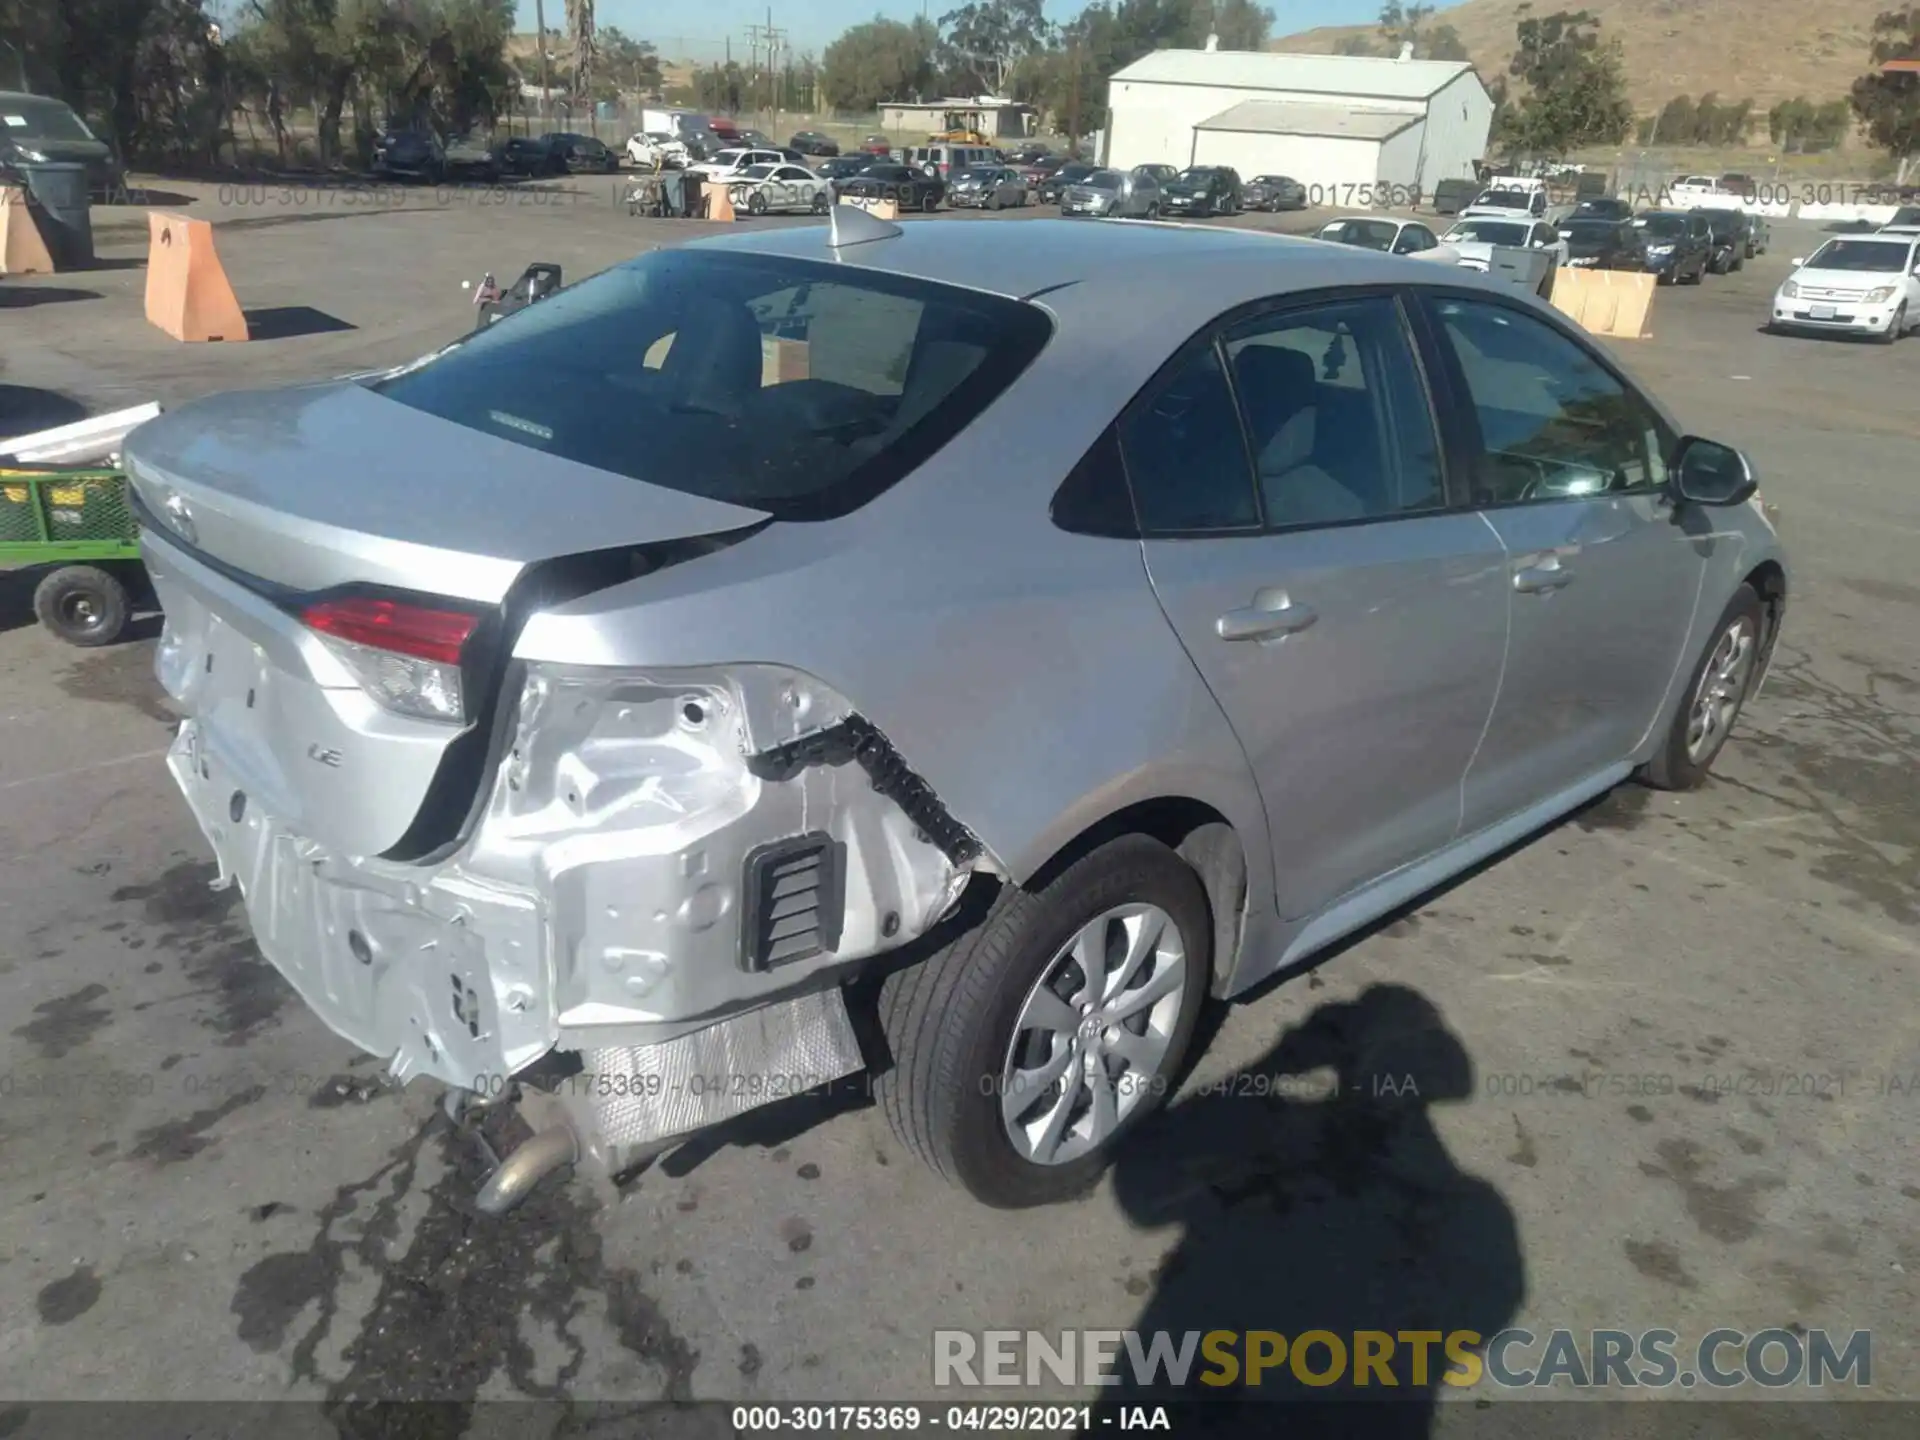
(1770, 50)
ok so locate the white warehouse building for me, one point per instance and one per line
(1333, 122)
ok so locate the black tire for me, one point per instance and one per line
(1672, 768)
(1896, 328)
(83, 605)
(757, 203)
(930, 202)
(950, 1020)
(820, 203)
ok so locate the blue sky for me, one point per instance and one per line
(702, 30)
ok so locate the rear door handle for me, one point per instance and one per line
(1269, 616)
(1538, 579)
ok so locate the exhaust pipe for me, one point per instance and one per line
(549, 1150)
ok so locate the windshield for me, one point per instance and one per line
(1667, 227)
(1372, 234)
(1104, 180)
(1601, 209)
(1722, 222)
(31, 118)
(1878, 256)
(1075, 171)
(1489, 232)
(729, 157)
(671, 369)
(980, 174)
(1199, 175)
(1591, 231)
(1506, 199)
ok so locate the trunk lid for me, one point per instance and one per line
(252, 503)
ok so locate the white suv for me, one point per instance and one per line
(1856, 284)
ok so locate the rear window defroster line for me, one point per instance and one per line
(856, 739)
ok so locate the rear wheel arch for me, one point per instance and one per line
(1201, 836)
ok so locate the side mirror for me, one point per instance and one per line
(1797, 261)
(1706, 472)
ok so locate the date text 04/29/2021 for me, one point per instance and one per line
(985, 1418)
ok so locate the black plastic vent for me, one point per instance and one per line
(795, 900)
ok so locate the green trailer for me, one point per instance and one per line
(77, 522)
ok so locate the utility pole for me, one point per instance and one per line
(772, 39)
(540, 44)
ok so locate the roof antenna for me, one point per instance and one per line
(850, 225)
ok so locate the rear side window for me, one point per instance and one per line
(788, 386)
(1185, 456)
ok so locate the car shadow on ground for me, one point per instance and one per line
(1313, 1193)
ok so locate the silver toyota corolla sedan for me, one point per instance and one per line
(617, 709)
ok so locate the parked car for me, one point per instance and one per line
(1036, 172)
(1692, 190)
(812, 142)
(1727, 239)
(1113, 195)
(842, 167)
(877, 145)
(948, 161)
(1511, 199)
(907, 186)
(658, 151)
(471, 157)
(1858, 285)
(767, 189)
(1049, 190)
(530, 155)
(1679, 247)
(1389, 236)
(1202, 190)
(1274, 192)
(415, 155)
(1032, 152)
(1758, 235)
(728, 163)
(38, 129)
(1159, 174)
(1599, 244)
(1905, 219)
(543, 803)
(759, 140)
(1474, 238)
(987, 187)
(1602, 207)
(583, 154)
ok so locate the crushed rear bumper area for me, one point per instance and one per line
(666, 886)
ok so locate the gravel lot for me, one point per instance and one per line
(203, 1194)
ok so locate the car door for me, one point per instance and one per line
(1567, 463)
(1291, 491)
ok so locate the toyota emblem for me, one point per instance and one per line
(180, 517)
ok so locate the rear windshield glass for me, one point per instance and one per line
(1103, 180)
(1665, 225)
(1490, 232)
(28, 118)
(1506, 199)
(789, 386)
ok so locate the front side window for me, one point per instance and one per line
(1554, 422)
(1185, 457)
(794, 387)
(1336, 414)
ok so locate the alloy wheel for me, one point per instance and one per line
(1723, 685)
(1093, 1033)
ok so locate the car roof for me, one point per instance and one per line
(1129, 260)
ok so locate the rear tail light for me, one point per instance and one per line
(407, 657)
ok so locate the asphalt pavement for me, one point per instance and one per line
(1670, 1069)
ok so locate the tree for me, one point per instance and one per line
(1355, 45)
(1402, 25)
(1444, 43)
(1887, 103)
(875, 61)
(982, 41)
(1576, 86)
(625, 65)
(1674, 126)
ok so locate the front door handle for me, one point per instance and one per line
(1271, 615)
(1539, 579)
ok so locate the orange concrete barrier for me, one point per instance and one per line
(719, 202)
(22, 250)
(1605, 302)
(187, 292)
(881, 209)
